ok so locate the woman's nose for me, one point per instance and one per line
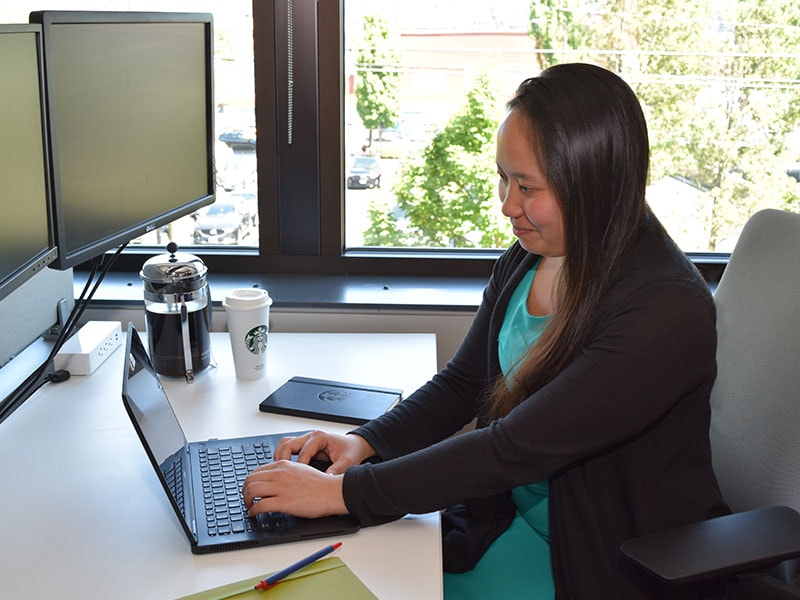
(508, 204)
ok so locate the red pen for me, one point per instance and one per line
(275, 579)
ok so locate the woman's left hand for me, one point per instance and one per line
(294, 488)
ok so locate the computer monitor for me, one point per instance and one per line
(25, 243)
(131, 124)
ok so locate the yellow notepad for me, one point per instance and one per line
(328, 578)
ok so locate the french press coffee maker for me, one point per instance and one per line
(178, 313)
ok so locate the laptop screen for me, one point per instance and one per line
(150, 407)
(158, 427)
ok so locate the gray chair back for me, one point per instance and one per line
(755, 403)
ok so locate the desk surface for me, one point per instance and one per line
(83, 512)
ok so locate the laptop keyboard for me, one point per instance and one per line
(223, 471)
(172, 468)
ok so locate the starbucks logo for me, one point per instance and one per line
(256, 339)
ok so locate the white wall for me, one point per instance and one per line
(449, 326)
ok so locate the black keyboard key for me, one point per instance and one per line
(223, 471)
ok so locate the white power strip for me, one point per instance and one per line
(86, 350)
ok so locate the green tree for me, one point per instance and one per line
(552, 28)
(718, 86)
(384, 228)
(446, 196)
(377, 101)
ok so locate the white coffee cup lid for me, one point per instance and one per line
(247, 298)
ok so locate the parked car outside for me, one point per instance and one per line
(242, 140)
(235, 170)
(236, 175)
(218, 224)
(247, 203)
(365, 173)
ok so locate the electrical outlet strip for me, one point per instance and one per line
(86, 350)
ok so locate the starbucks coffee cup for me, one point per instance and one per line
(247, 310)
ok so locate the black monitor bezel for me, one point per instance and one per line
(44, 257)
(71, 257)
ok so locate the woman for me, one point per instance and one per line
(588, 365)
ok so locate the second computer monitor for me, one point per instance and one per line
(131, 111)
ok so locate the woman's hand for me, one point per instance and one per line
(294, 488)
(299, 489)
(341, 450)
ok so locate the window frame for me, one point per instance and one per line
(301, 225)
(304, 232)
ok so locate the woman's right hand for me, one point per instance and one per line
(341, 450)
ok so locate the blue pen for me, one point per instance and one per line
(275, 579)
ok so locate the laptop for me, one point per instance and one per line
(203, 480)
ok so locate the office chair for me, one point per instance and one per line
(755, 429)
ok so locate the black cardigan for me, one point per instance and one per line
(621, 433)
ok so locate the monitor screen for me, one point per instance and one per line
(25, 244)
(130, 107)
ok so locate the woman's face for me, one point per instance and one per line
(528, 201)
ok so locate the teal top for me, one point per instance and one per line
(520, 329)
(517, 564)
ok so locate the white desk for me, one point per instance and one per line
(84, 516)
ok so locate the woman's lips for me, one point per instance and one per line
(521, 230)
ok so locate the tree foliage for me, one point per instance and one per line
(377, 101)
(552, 28)
(718, 82)
(446, 195)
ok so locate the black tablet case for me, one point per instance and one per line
(330, 400)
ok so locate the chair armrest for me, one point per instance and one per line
(746, 541)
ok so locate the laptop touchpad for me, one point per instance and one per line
(274, 521)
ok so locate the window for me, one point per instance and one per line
(385, 80)
(718, 82)
(301, 138)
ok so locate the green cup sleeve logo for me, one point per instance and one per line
(255, 340)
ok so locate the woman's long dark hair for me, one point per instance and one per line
(590, 137)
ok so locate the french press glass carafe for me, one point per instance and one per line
(178, 313)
